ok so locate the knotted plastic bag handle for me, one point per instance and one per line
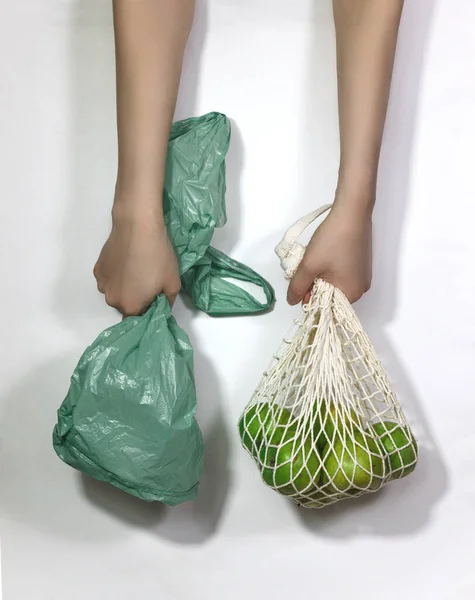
(210, 289)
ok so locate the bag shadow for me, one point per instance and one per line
(196, 521)
(38, 489)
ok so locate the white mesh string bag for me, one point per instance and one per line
(323, 424)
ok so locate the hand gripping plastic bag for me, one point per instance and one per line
(323, 424)
(129, 416)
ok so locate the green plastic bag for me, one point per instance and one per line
(129, 416)
(194, 205)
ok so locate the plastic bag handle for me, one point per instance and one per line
(223, 297)
(237, 270)
(289, 251)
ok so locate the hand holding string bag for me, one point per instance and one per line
(323, 424)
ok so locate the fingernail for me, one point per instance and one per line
(291, 300)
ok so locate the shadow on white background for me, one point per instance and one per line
(82, 309)
(406, 506)
(44, 503)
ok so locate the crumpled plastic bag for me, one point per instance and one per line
(129, 415)
(194, 206)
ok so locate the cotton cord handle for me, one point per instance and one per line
(289, 250)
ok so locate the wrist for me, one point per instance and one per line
(355, 204)
(138, 204)
(356, 193)
(144, 178)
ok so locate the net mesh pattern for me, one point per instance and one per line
(323, 424)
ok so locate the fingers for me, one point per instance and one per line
(130, 306)
(300, 285)
(130, 309)
(127, 305)
(132, 297)
(171, 298)
(171, 291)
(98, 277)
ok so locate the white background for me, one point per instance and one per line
(270, 66)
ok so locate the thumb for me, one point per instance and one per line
(300, 284)
(171, 294)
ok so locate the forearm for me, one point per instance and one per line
(366, 35)
(150, 38)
